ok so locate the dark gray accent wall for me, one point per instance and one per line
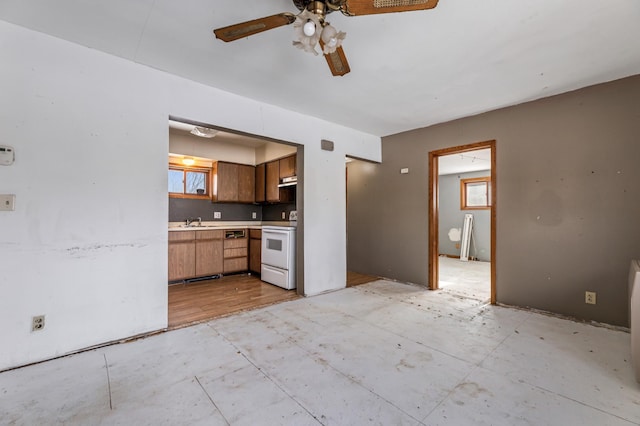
(181, 209)
(273, 212)
(568, 200)
(451, 216)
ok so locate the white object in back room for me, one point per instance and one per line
(7, 155)
(634, 315)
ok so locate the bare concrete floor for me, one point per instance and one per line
(470, 279)
(380, 353)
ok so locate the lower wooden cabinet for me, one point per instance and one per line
(236, 251)
(195, 254)
(255, 250)
(209, 246)
(182, 255)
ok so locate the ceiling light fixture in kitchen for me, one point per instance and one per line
(188, 161)
(204, 132)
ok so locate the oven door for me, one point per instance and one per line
(275, 247)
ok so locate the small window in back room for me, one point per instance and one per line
(474, 193)
(189, 182)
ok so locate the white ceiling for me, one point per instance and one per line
(408, 70)
(471, 161)
(221, 136)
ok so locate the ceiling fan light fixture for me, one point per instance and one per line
(309, 28)
(331, 38)
(204, 132)
(306, 35)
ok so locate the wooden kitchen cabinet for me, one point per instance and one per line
(209, 252)
(225, 181)
(246, 183)
(272, 179)
(273, 193)
(236, 251)
(233, 182)
(195, 254)
(288, 166)
(255, 250)
(260, 183)
(182, 255)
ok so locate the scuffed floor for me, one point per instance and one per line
(470, 279)
(380, 353)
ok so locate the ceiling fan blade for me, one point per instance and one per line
(337, 61)
(370, 7)
(245, 29)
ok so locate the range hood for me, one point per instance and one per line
(288, 181)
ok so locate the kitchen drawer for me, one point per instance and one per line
(235, 243)
(255, 234)
(236, 252)
(210, 234)
(182, 236)
(235, 265)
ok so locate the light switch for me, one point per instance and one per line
(7, 155)
(7, 202)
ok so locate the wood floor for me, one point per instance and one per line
(204, 300)
(355, 278)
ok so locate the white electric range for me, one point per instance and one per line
(279, 256)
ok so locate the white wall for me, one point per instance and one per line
(86, 245)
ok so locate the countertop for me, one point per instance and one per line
(180, 226)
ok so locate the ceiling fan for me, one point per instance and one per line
(311, 28)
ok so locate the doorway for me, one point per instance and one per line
(434, 209)
(216, 223)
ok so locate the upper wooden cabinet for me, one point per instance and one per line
(288, 166)
(233, 182)
(246, 184)
(225, 181)
(275, 171)
(260, 181)
(272, 179)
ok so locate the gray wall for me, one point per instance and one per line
(452, 217)
(273, 212)
(181, 209)
(568, 200)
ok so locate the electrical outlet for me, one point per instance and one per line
(254, 215)
(590, 297)
(217, 215)
(37, 323)
(284, 215)
(7, 202)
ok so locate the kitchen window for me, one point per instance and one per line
(474, 193)
(189, 182)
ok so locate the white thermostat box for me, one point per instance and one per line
(7, 155)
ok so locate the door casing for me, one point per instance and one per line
(433, 209)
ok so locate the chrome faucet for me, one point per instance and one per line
(190, 221)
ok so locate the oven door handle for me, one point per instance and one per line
(274, 232)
